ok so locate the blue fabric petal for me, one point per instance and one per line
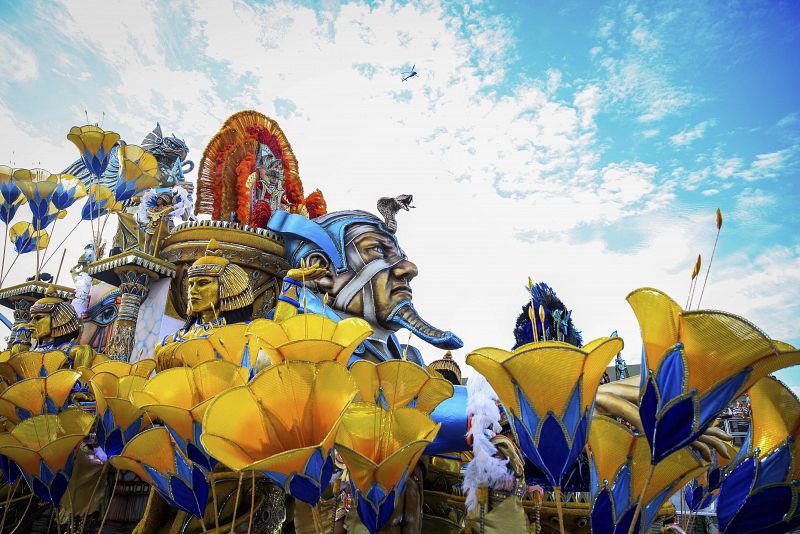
(160, 481)
(114, 444)
(734, 490)
(132, 430)
(367, 513)
(554, 449)
(766, 509)
(184, 498)
(602, 514)
(774, 468)
(671, 375)
(45, 473)
(182, 467)
(648, 408)
(41, 490)
(622, 490)
(720, 397)
(386, 509)
(674, 429)
(304, 489)
(278, 478)
(58, 487)
(11, 471)
(572, 412)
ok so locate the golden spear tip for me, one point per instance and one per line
(696, 269)
(719, 218)
(530, 283)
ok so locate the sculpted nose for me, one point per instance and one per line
(405, 269)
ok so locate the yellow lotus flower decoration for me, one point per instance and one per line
(308, 337)
(548, 389)
(137, 172)
(94, 145)
(40, 395)
(38, 186)
(380, 448)
(99, 201)
(26, 238)
(397, 383)
(154, 457)
(283, 423)
(32, 364)
(102, 364)
(43, 447)
(621, 466)
(180, 396)
(224, 343)
(119, 419)
(696, 363)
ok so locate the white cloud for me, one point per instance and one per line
(768, 165)
(686, 137)
(19, 63)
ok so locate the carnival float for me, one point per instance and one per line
(231, 364)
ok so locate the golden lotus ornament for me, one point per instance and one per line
(38, 395)
(43, 447)
(308, 337)
(381, 448)
(119, 420)
(94, 145)
(282, 424)
(180, 396)
(398, 383)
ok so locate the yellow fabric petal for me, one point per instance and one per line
(658, 320)
(173, 387)
(178, 419)
(153, 447)
(776, 417)
(56, 453)
(35, 432)
(125, 413)
(235, 417)
(600, 352)
(215, 376)
(489, 361)
(610, 442)
(27, 459)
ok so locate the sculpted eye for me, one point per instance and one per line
(377, 248)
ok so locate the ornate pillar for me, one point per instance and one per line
(134, 284)
(132, 272)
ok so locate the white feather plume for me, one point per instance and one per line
(484, 469)
(83, 285)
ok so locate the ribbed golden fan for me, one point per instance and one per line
(397, 383)
(39, 395)
(217, 178)
(308, 337)
(143, 368)
(226, 342)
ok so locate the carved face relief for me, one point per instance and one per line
(389, 287)
(204, 296)
(41, 327)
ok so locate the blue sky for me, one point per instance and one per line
(586, 144)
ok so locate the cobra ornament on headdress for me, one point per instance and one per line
(234, 285)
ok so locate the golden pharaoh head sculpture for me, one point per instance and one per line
(64, 319)
(234, 285)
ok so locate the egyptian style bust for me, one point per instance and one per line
(55, 325)
(219, 294)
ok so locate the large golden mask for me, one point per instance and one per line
(216, 285)
(53, 318)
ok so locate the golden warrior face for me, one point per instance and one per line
(204, 297)
(41, 327)
(389, 287)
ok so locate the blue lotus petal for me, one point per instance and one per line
(132, 430)
(573, 411)
(766, 509)
(734, 490)
(602, 513)
(11, 471)
(113, 444)
(671, 375)
(45, 473)
(386, 510)
(720, 397)
(367, 513)
(648, 407)
(161, 482)
(278, 478)
(674, 430)
(58, 487)
(622, 490)
(554, 449)
(774, 468)
(40, 490)
(304, 489)
(184, 498)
